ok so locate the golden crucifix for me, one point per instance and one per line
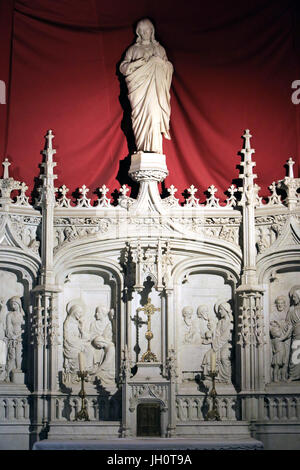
(149, 310)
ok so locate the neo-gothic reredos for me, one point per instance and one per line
(220, 280)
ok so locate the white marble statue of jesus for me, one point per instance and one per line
(148, 75)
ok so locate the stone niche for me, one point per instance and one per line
(13, 330)
(88, 324)
(197, 318)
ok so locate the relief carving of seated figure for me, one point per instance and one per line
(76, 338)
(101, 335)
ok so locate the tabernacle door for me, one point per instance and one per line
(148, 419)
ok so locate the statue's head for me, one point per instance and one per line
(101, 312)
(280, 303)
(14, 303)
(202, 311)
(75, 309)
(224, 310)
(294, 295)
(187, 312)
(145, 31)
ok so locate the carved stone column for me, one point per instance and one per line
(250, 299)
(45, 324)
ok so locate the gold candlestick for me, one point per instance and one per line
(213, 414)
(83, 413)
(149, 310)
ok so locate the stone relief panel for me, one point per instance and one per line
(284, 328)
(268, 229)
(205, 324)
(73, 228)
(26, 229)
(12, 328)
(88, 328)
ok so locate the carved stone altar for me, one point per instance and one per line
(77, 278)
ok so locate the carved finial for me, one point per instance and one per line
(274, 198)
(171, 200)
(104, 190)
(247, 136)
(22, 199)
(124, 190)
(231, 201)
(49, 138)
(103, 201)
(192, 201)
(6, 164)
(84, 201)
(172, 190)
(64, 201)
(291, 163)
(212, 201)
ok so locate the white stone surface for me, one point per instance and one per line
(112, 258)
(148, 75)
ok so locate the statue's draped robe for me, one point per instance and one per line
(293, 319)
(149, 95)
(72, 343)
(222, 345)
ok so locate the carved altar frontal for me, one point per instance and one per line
(155, 295)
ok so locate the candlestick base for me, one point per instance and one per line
(213, 414)
(83, 413)
(149, 356)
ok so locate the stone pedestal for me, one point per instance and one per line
(148, 169)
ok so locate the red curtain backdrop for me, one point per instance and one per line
(234, 65)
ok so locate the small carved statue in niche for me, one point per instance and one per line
(101, 336)
(188, 332)
(221, 343)
(14, 329)
(148, 75)
(76, 338)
